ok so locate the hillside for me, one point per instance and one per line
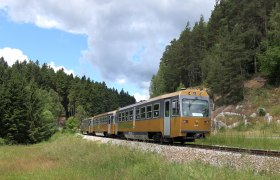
(251, 123)
(257, 96)
(240, 40)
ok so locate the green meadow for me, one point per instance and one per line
(70, 157)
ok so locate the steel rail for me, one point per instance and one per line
(260, 152)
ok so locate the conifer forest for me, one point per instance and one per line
(240, 40)
(33, 97)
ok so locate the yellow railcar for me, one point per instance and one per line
(179, 116)
(86, 126)
(104, 124)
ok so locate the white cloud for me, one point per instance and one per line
(140, 97)
(56, 68)
(12, 55)
(121, 81)
(45, 23)
(126, 38)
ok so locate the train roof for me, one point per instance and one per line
(187, 92)
(111, 112)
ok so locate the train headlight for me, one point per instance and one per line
(185, 121)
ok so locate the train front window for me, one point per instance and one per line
(195, 108)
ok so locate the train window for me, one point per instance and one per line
(149, 111)
(112, 120)
(175, 107)
(137, 113)
(143, 112)
(123, 116)
(108, 120)
(131, 115)
(195, 108)
(167, 109)
(156, 110)
(126, 116)
(120, 117)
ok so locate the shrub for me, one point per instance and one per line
(261, 111)
(2, 142)
(72, 124)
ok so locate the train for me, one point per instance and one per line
(181, 116)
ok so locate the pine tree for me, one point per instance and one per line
(223, 68)
(34, 112)
(270, 55)
(14, 105)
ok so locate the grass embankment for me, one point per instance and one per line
(257, 133)
(70, 157)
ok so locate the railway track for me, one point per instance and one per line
(259, 152)
(256, 160)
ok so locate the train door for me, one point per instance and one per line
(167, 117)
(109, 124)
(89, 126)
(113, 124)
(134, 116)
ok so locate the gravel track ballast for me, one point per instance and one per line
(187, 154)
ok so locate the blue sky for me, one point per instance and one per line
(119, 42)
(46, 45)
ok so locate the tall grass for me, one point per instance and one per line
(275, 110)
(266, 97)
(258, 135)
(69, 157)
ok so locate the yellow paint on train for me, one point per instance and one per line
(155, 125)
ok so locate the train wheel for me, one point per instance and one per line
(158, 138)
(106, 134)
(190, 140)
(171, 141)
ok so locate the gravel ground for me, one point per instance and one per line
(187, 154)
